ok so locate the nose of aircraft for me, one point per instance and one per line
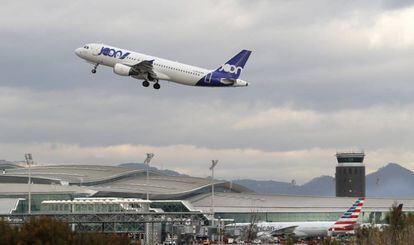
(78, 51)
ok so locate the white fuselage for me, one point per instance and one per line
(345, 225)
(164, 69)
(303, 229)
(300, 230)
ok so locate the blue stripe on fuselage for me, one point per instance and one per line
(214, 80)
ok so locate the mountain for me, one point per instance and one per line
(268, 186)
(144, 166)
(6, 165)
(392, 181)
(320, 186)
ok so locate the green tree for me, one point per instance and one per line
(45, 231)
(100, 239)
(8, 234)
(396, 221)
(400, 230)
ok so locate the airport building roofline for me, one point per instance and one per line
(97, 200)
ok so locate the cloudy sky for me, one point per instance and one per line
(325, 76)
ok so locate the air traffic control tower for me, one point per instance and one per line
(350, 175)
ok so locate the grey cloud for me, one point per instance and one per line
(284, 50)
(101, 118)
(391, 4)
(330, 59)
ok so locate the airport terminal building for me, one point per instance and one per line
(174, 194)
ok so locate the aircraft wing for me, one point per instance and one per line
(145, 67)
(284, 231)
(264, 234)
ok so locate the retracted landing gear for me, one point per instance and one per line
(145, 83)
(94, 68)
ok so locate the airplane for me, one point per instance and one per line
(152, 69)
(345, 224)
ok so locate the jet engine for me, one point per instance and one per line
(123, 70)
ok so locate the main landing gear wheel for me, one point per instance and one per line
(157, 86)
(145, 83)
(94, 68)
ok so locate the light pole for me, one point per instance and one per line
(29, 161)
(147, 162)
(213, 165)
(147, 230)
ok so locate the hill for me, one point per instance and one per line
(7, 165)
(320, 186)
(392, 181)
(143, 166)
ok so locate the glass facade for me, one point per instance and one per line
(350, 159)
(366, 217)
(62, 207)
(37, 200)
(81, 208)
(100, 205)
(176, 206)
(179, 206)
(93, 205)
(110, 227)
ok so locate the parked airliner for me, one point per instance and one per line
(345, 224)
(153, 69)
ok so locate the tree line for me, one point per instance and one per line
(398, 231)
(47, 231)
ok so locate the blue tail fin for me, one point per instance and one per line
(233, 68)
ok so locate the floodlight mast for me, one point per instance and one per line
(147, 230)
(147, 162)
(29, 162)
(213, 165)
